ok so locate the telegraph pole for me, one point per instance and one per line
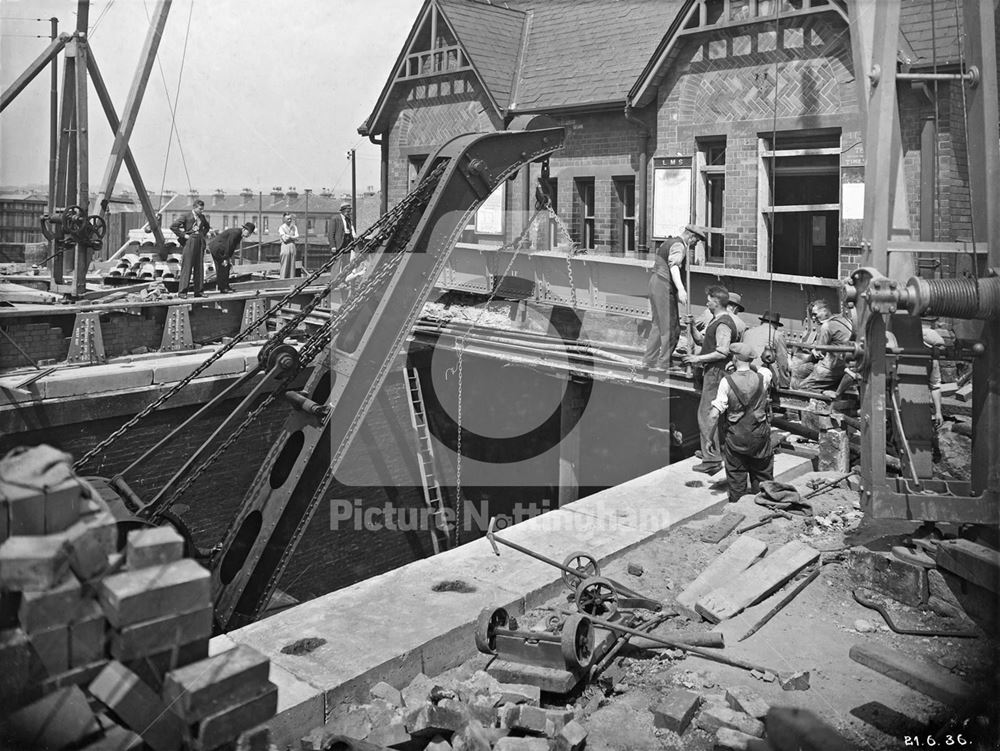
(53, 135)
(354, 188)
(305, 250)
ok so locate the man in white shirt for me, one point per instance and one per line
(288, 233)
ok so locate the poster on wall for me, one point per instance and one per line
(671, 195)
(489, 217)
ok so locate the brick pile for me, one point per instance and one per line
(476, 713)
(104, 648)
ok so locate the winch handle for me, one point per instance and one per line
(489, 535)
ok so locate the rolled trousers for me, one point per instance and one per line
(193, 259)
(740, 467)
(712, 377)
(666, 329)
(221, 271)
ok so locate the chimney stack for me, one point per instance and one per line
(218, 197)
(193, 195)
(326, 193)
(247, 195)
(277, 195)
(292, 194)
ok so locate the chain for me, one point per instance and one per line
(516, 245)
(371, 238)
(313, 346)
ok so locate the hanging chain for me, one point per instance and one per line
(516, 246)
(372, 238)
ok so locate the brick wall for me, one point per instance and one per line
(429, 113)
(722, 84)
(40, 341)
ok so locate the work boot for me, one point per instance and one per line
(709, 468)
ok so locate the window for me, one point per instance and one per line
(416, 163)
(625, 213)
(585, 212)
(236, 221)
(550, 232)
(800, 202)
(712, 165)
(267, 227)
(310, 224)
(225, 221)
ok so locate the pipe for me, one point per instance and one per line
(383, 176)
(793, 427)
(641, 244)
(928, 159)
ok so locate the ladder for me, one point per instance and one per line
(425, 458)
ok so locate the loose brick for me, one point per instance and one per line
(557, 719)
(205, 687)
(51, 607)
(727, 739)
(905, 582)
(386, 693)
(572, 737)
(138, 706)
(52, 648)
(115, 738)
(61, 719)
(527, 719)
(154, 668)
(135, 596)
(676, 709)
(415, 694)
(32, 564)
(715, 716)
(510, 743)
(520, 693)
(153, 547)
(226, 725)
(428, 720)
(744, 700)
(24, 509)
(91, 541)
(149, 637)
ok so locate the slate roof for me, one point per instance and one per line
(924, 31)
(491, 35)
(583, 52)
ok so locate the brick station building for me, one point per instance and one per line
(740, 115)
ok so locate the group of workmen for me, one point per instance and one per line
(737, 367)
(195, 234)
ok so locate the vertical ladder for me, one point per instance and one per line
(425, 458)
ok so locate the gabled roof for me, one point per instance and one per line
(492, 37)
(584, 52)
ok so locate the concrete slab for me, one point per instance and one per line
(175, 368)
(94, 379)
(390, 627)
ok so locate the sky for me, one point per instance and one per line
(272, 91)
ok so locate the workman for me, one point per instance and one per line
(837, 330)
(666, 293)
(288, 233)
(769, 348)
(222, 247)
(734, 308)
(712, 359)
(744, 399)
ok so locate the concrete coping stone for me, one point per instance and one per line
(393, 626)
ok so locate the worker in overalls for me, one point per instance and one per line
(744, 399)
(666, 293)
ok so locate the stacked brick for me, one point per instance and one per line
(105, 648)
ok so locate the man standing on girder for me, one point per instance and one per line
(288, 233)
(718, 335)
(191, 231)
(666, 293)
(744, 398)
(222, 247)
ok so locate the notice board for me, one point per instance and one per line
(671, 195)
(489, 217)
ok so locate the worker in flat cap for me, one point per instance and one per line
(734, 308)
(666, 293)
(769, 347)
(223, 247)
(743, 405)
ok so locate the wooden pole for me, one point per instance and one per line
(82, 143)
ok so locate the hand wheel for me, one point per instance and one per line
(584, 563)
(490, 619)
(597, 596)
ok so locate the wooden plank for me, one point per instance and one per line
(206, 687)
(722, 528)
(732, 561)
(920, 675)
(135, 596)
(757, 582)
(975, 563)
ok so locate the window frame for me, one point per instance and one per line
(586, 187)
(712, 158)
